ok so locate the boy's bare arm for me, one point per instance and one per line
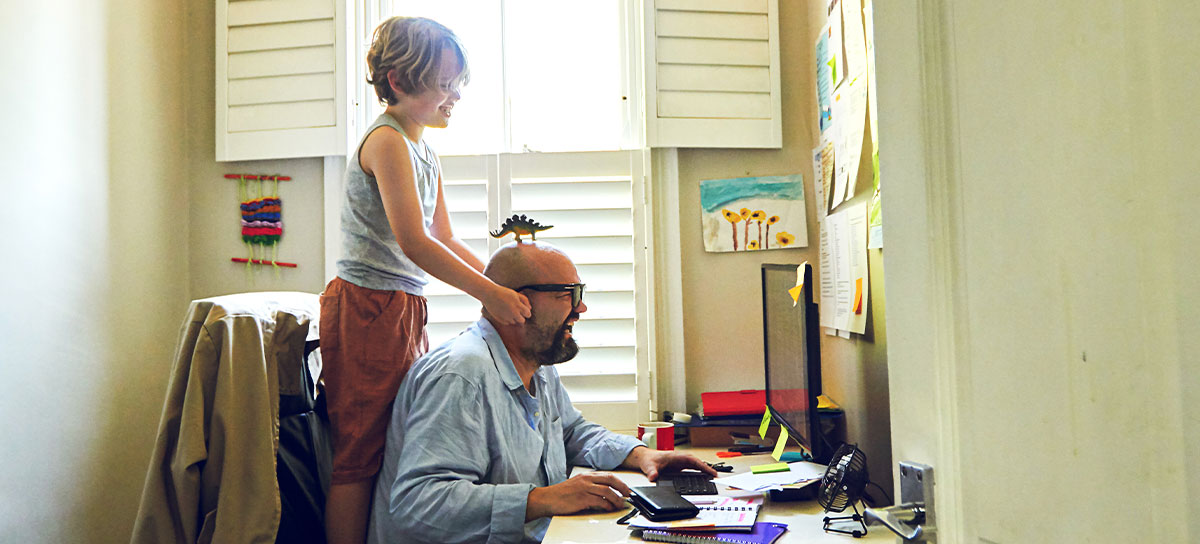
(385, 156)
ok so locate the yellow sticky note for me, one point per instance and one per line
(766, 422)
(795, 292)
(779, 444)
(773, 467)
(858, 296)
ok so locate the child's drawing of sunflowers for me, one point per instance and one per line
(761, 213)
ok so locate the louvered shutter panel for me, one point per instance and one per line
(280, 72)
(465, 182)
(713, 73)
(590, 199)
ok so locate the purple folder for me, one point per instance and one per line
(763, 533)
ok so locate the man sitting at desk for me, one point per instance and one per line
(482, 434)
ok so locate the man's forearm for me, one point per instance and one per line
(536, 505)
(633, 461)
(481, 512)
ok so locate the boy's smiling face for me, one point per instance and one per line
(433, 107)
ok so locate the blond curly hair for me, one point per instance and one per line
(412, 47)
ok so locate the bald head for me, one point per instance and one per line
(522, 263)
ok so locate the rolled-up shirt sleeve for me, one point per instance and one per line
(588, 443)
(437, 496)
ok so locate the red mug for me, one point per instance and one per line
(657, 435)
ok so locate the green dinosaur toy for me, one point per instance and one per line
(520, 225)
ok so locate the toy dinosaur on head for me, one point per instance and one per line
(520, 225)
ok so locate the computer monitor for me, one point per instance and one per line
(792, 355)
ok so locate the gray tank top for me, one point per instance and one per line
(371, 256)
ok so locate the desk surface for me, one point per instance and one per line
(803, 517)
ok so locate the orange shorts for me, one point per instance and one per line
(369, 339)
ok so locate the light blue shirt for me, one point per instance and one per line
(467, 443)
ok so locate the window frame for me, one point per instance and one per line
(362, 20)
(369, 13)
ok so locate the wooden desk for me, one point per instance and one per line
(803, 517)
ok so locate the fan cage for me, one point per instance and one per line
(845, 479)
(843, 486)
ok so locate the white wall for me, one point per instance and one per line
(722, 309)
(95, 276)
(213, 225)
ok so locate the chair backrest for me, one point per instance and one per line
(238, 354)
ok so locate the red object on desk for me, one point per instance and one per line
(728, 454)
(733, 403)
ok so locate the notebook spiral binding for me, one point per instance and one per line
(764, 533)
(667, 536)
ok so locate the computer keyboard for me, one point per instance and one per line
(690, 484)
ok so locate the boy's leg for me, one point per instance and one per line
(372, 337)
(347, 508)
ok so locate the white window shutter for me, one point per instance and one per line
(280, 72)
(712, 73)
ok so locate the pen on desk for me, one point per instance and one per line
(747, 449)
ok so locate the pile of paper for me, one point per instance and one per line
(799, 474)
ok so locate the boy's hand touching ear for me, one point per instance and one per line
(508, 306)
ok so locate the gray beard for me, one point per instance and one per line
(561, 350)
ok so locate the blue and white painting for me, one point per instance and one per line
(753, 214)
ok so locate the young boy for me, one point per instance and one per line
(395, 229)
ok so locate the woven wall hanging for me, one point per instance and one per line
(262, 219)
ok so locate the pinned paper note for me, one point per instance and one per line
(858, 296)
(781, 443)
(850, 293)
(795, 291)
(766, 422)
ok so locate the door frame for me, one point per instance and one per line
(924, 278)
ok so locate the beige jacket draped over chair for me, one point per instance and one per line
(212, 474)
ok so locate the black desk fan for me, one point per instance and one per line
(843, 485)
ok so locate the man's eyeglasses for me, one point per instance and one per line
(576, 290)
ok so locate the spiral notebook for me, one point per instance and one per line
(762, 533)
(729, 514)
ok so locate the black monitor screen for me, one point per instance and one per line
(791, 345)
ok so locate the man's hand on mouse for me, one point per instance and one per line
(589, 491)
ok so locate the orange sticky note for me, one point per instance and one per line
(779, 444)
(858, 296)
(766, 422)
